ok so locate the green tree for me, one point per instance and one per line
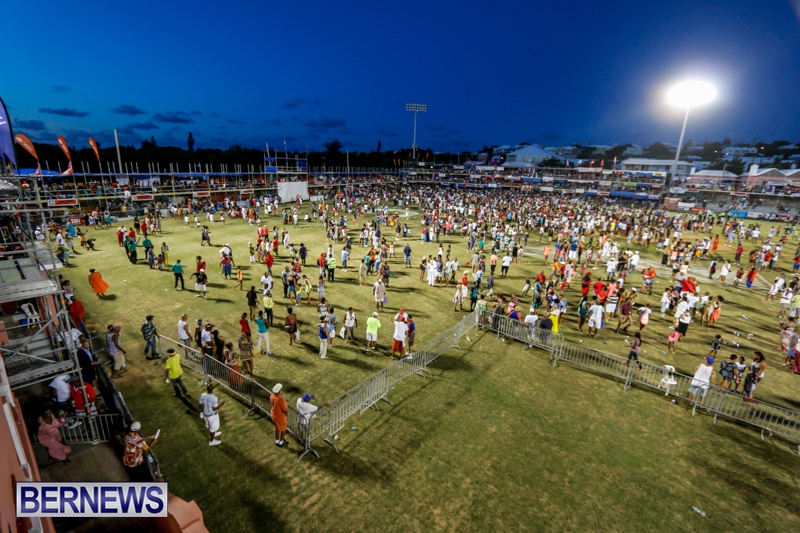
(659, 150)
(736, 166)
(333, 148)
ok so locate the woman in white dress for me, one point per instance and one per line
(432, 272)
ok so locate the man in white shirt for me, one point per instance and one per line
(305, 409)
(399, 337)
(634, 260)
(209, 412)
(681, 308)
(379, 292)
(531, 321)
(350, 322)
(595, 317)
(183, 332)
(59, 391)
(507, 259)
(266, 281)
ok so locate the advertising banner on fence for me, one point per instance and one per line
(143, 197)
(201, 194)
(62, 202)
(95, 148)
(6, 137)
(27, 144)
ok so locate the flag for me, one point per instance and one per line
(62, 142)
(6, 135)
(68, 172)
(38, 170)
(591, 163)
(95, 148)
(26, 143)
(603, 163)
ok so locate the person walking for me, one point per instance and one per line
(98, 284)
(87, 361)
(290, 326)
(278, 413)
(262, 331)
(177, 271)
(149, 333)
(209, 412)
(399, 337)
(173, 373)
(115, 351)
(373, 325)
(379, 293)
(183, 333)
(49, 434)
(636, 345)
(350, 322)
(323, 339)
(200, 284)
(269, 304)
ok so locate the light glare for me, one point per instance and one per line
(691, 93)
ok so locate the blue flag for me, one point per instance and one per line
(6, 135)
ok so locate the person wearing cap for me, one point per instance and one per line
(209, 412)
(399, 336)
(278, 414)
(703, 377)
(133, 455)
(200, 283)
(116, 351)
(305, 409)
(149, 333)
(173, 372)
(379, 292)
(401, 313)
(373, 325)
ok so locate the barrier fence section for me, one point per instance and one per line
(246, 389)
(92, 429)
(366, 395)
(772, 419)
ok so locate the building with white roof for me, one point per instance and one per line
(655, 166)
(531, 154)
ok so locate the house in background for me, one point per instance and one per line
(662, 166)
(531, 154)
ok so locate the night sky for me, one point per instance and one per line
(491, 72)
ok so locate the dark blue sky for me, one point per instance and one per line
(491, 72)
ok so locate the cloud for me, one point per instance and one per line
(323, 123)
(127, 109)
(144, 126)
(297, 102)
(345, 131)
(232, 121)
(197, 113)
(64, 112)
(173, 117)
(33, 125)
(60, 89)
(386, 132)
(272, 122)
(214, 114)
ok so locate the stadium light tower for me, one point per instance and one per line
(687, 94)
(416, 108)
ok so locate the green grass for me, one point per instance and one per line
(497, 440)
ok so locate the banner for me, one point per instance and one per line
(26, 143)
(69, 171)
(95, 148)
(6, 135)
(62, 142)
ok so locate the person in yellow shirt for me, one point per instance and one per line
(174, 373)
(268, 305)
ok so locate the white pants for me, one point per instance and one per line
(323, 348)
(265, 337)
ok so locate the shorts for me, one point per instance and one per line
(212, 422)
(610, 308)
(397, 346)
(372, 337)
(595, 323)
(703, 390)
(200, 287)
(784, 307)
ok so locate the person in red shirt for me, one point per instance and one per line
(201, 265)
(269, 261)
(598, 286)
(275, 245)
(77, 397)
(245, 325)
(78, 313)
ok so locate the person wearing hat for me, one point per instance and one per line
(115, 351)
(133, 456)
(209, 412)
(305, 409)
(173, 372)
(703, 377)
(200, 283)
(278, 414)
(379, 292)
(401, 313)
(373, 325)
(399, 336)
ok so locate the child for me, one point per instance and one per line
(716, 344)
(526, 288)
(739, 274)
(749, 385)
(160, 261)
(672, 339)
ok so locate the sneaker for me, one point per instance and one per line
(218, 433)
(215, 442)
(75, 424)
(197, 295)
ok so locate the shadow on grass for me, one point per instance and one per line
(355, 363)
(108, 296)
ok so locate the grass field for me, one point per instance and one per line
(497, 440)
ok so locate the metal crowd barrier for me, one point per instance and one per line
(771, 419)
(92, 429)
(242, 387)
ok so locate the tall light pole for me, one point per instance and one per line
(416, 108)
(687, 94)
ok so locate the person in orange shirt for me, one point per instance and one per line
(99, 286)
(278, 414)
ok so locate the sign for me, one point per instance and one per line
(91, 499)
(62, 202)
(143, 197)
(546, 189)
(567, 191)
(580, 191)
(604, 183)
(201, 194)
(547, 180)
(603, 193)
(692, 190)
(247, 191)
(734, 193)
(75, 221)
(696, 209)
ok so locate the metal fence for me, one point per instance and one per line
(771, 419)
(92, 429)
(246, 389)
